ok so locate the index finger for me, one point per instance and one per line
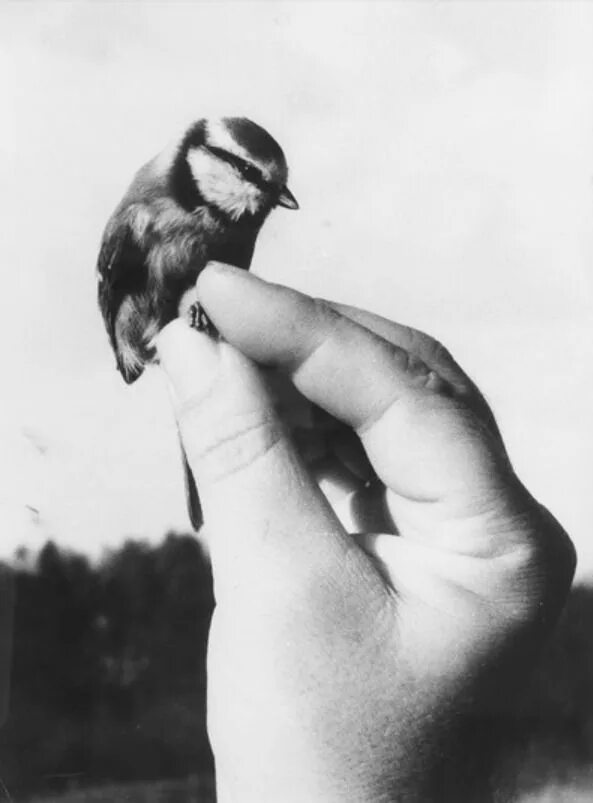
(361, 372)
(397, 403)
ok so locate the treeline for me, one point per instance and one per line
(109, 668)
(109, 675)
(552, 732)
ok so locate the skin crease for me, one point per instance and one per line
(364, 667)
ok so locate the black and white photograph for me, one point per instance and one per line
(295, 419)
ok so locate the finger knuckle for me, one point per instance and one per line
(228, 444)
(410, 364)
(325, 325)
(414, 340)
(323, 308)
(326, 319)
(440, 354)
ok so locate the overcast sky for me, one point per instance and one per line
(442, 154)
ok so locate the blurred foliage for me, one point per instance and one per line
(109, 668)
(108, 684)
(550, 741)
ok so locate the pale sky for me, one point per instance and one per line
(442, 154)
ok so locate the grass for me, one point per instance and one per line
(572, 788)
(194, 790)
(559, 794)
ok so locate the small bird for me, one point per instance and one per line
(203, 199)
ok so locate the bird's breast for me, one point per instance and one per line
(178, 245)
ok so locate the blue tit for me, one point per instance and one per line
(203, 199)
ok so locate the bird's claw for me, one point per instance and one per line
(199, 320)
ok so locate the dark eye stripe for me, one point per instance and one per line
(248, 171)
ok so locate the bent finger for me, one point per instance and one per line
(342, 366)
(411, 419)
(430, 351)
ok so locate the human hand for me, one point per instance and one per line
(341, 667)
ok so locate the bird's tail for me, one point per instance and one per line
(194, 508)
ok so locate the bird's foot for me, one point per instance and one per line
(199, 320)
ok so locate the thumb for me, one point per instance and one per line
(263, 511)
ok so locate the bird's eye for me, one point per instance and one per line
(249, 172)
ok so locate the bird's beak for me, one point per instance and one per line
(287, 199)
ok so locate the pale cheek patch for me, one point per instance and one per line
(252, 197)
(220, 185)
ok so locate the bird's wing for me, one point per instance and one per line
(121, 272)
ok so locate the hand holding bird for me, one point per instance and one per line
(369, 665)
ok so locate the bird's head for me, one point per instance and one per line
(234, 166)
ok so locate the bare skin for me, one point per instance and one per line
(356, 667)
